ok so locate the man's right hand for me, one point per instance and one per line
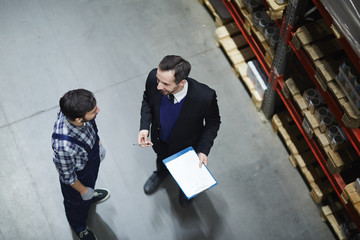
(85, 192)
(88, 195)
(143, 138)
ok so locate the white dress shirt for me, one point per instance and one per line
(180, 95)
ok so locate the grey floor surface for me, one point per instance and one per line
(48, 47)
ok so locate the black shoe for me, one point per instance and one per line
(153, 183)
(183, 200)
(100, 195)
(87, 234)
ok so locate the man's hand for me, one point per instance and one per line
(102, 152)
(85, 192)
(143, 138)
(88, 195)
(203, 159)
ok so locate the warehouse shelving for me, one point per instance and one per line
(336, 180)
(255, 46)
(352, 134)
(344, 43)
(275, 74)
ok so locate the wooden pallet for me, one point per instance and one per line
(351, 117)
(238, 52)
(290, 89)
(310, 124)
(282, 120)
(303, 159)
(285, 127)
(301, 156)
(240, 3)
(241, 70)
(276, 11)
(300, 102)
(326, 70)
(320, 190)
(319, 50)
(218, 11)
(341, 160)
(313, 172)
(234, 46)
(329, 214)
(311, 33)
(351, 195)
(315, 177)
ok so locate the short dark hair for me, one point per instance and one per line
(76, 103)
(181, 66)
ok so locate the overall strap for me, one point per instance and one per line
(72, 140)
(93, 123)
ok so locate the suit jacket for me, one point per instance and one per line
(198, 122)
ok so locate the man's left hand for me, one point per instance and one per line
(203, 159)
(102, 152)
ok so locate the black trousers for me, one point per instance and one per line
(161, 169)
(162, 153)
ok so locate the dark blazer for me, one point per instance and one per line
(198, 122)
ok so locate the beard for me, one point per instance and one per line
(165, 93)
(88, 120)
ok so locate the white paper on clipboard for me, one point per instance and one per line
(184, 167)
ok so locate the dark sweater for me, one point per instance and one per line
(169, 113)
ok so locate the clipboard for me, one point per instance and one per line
(184, 167)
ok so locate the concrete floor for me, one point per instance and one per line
(48, 47)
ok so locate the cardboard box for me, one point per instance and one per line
(257, 76)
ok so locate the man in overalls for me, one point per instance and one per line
(77, 156)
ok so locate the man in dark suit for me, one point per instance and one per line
(181, 113)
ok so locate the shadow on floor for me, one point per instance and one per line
(198, 221)
(100, 228)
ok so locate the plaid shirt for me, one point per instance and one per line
(69, 157)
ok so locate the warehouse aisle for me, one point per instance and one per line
(108, 47)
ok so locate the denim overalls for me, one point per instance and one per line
(76, 208)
